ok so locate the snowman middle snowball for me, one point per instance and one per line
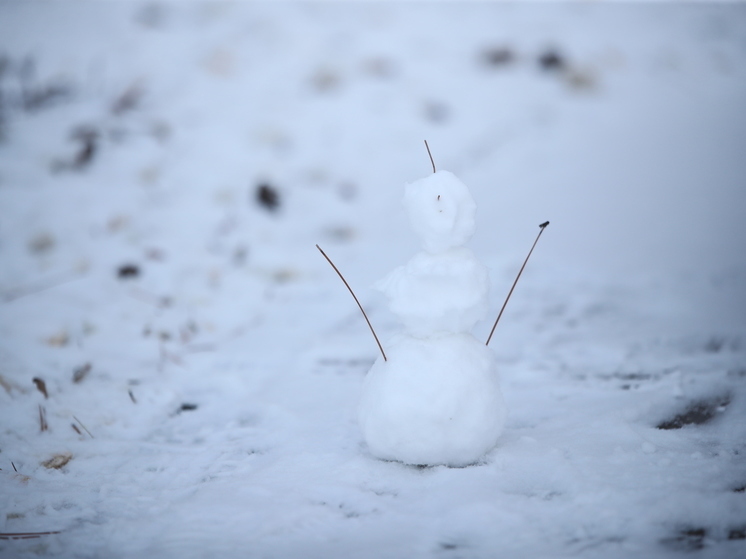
(437, 399)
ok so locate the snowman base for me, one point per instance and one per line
(436, 401)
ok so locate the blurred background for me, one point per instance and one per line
(197, 139)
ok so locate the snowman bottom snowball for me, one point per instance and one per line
(436, 400)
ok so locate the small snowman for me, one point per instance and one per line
(436, 398)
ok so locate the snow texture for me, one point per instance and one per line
(165, 171)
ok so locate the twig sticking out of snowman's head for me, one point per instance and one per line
(441, 210)
(431, 156)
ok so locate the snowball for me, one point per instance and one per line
(435, 401)
(441, 211)
(443, 292)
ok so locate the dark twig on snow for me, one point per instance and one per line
(356, 300)
(83, 426)
(14, 467)
(43, 418)
(541, 227)
(25, 535)
(431, 156)
(132, 396)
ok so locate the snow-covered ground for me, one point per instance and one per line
(165, 171)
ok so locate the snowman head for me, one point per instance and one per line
(441, 211)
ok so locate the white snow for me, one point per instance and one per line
(436, 293)
(219, 414)
(441, 211)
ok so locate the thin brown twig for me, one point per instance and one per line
(356, 300)
(25, 535)
(542, 227)
(83, 426)
(431, 156)
(43, 425)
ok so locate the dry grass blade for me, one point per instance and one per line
(43, 418)
(83, 426)
(25, 535)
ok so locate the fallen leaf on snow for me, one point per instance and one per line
(58, 461)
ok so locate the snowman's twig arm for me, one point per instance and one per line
(542, 227)
(354, 297)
